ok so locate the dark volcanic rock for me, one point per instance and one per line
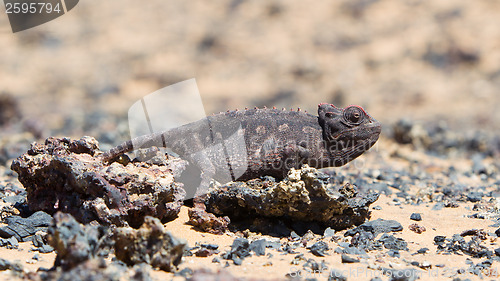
(313, 266)
(259, 247)
(416, 217)
(474, 196)
(366, 241)
(40, 243)
(329, 232)
(151, 244)
(199, 218)
(377, 226)
(348, 259)
(393, 243)
(304, 195)
(459, 245)
(482, 269)
(439, 239)
(240, 249)
(10, 243)
(76, 243)
(24, 228)
(497, 251)
(422, 251)
(64, 175)
(205, 250)
(319, 248)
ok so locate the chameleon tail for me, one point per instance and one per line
(156, 139)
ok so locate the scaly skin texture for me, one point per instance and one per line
(241, 145)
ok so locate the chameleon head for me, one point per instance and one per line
(348, 132)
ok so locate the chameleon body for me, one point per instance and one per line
(241, 145)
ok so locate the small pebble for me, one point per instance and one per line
(416, 217)
(348, 259)
(319, 248)
(328, 232)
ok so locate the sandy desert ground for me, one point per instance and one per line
(429, 71)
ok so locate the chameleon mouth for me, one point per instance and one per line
(346, 152)
(351, 143)
(367, 131)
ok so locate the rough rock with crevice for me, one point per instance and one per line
(151, 244)
(304, 195)
(65, 175)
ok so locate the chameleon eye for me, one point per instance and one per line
(354, 115)
(329, 114)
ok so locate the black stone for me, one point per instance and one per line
(313, 265)
(24, 228)
(497, 251)
(259, 247)
(319, 248)
(393, 243)
(439, 239)
(237, 260)
(416, 217)
(422, 250)
(348, 259)
(75, 243)
(40, 244)
(273, 245)
(365, 241)
(377, 226)
(474, 196)
(240, 249)
(210, 246)
(328, 232)
(294, 236)
(45, 249)
(10, 243)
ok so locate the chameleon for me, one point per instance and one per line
(252, 143)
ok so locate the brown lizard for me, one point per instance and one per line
(241, 145)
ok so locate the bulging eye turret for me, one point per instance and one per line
(354, 115)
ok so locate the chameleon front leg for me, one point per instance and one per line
(208, 170)
(294, 156)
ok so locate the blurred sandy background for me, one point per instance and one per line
(424, 60)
